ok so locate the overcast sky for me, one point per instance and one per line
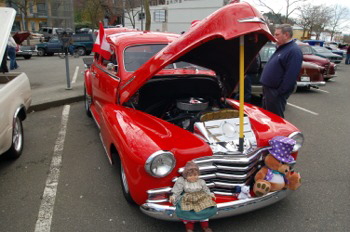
(280, 6)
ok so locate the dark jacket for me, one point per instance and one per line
(283, 68)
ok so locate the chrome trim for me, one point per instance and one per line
(297, 133)
(252, 20)
(227, 209)
(310, 83)
(153, 156)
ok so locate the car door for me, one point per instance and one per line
(105, 82)
(54, 45)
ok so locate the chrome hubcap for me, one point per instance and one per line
(17, 135)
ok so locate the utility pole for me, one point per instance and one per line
(123, 19)
(142, 16)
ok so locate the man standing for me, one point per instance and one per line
(11, 45)
(347, 60)
(281, 71)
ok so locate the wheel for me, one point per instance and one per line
(124, 183)
(27, 57)
(16, 148)
(41, 52)
(81, 51)
(87, 102)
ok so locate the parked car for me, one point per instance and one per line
(15, 95)
(48, 33)
(82, 43)
(325, 53)
(309, 56)
(311, 75)
(152, 121)
(334, 49)
(24, 51)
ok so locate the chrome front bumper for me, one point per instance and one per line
(227, 209)
(309, 83)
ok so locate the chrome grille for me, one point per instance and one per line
(224, 174)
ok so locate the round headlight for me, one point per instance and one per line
(160, 163)
(299, 138)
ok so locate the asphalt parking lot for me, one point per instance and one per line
(89, 197)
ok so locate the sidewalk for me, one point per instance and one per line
(47, 76)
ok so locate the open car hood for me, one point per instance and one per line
(7, 16)
(20, 36)
(212, 43)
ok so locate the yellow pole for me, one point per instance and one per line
(241, 93)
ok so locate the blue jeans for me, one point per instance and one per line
(347, 60)
(12, 54)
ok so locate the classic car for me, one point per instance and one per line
(308, 56)
(15, 95)
(334, 49)
(153, 118)
(311, 75)
(325, 53)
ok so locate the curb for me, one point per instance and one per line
(47, 105)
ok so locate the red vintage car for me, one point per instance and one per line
(329, 67)
(162, 100)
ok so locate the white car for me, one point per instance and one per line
(15, 96)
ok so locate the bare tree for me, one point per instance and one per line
(148, 16)
(132, 10)
(289, 7)
(314, 18)
(339, 17)
(94, 11)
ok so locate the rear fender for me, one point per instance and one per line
(87, 79)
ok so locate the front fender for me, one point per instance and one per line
(137, 135)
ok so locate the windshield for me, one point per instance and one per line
(307, 50)
(136, 56)
(266, 52)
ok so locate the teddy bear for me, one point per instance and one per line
(276, 174)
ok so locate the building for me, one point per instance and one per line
(176, 15)
(40, 13)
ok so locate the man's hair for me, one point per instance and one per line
(286, 28)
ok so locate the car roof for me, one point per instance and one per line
(128, 38)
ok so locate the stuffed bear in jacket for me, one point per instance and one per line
(276, 174)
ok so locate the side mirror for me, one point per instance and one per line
(112, 67)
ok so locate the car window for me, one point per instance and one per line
(54, 40)
(135, 56)
(49, 31)
(320, 49)
(307, 50)
(266, 52)
(81, 38)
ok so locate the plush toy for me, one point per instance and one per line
(245, 192)
(193, 199)
(276, 174)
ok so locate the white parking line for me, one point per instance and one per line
(75, 75)
(322, 90)
(301, 108)
(43, 223)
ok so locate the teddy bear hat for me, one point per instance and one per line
(282, 148)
